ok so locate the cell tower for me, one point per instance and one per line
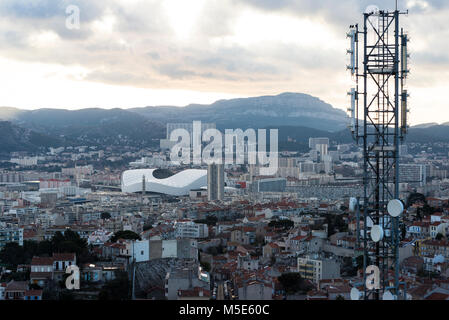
(381, 125)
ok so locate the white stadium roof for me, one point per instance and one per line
(176, 185)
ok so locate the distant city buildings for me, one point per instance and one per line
(10, 233)
(54, 183)
(11, 177)
(413, 173)
(190, 229)
(156, 161)
(25, 162)
(316, 268)
(296, 220)
(166, 144)
(269, 185)
(315, 143)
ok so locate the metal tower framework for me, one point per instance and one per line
(381, 127)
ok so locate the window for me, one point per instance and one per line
(141, 252)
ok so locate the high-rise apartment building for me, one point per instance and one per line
(313, 142)
(215, 182)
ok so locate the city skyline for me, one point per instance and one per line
(175, 53)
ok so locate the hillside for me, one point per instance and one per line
(15, 138)
(297, 116)
(287, 109)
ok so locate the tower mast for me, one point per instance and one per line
(381, 130)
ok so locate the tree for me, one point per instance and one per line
(125, 234)
(427, 210)
(45, 248)
(69, 242)
(66, 295)
(260, 240)
(415, 197)
(35, 286)
(212, 250)
(292, 282)
(105, 215)
(206, 266)
(439, 236)
(12, 255)
(117, 289)
(359, 261)
(16, 276)
(335, 223)
(281, 224)
(210, 220)
(403, 231)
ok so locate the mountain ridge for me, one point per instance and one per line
(297, 115)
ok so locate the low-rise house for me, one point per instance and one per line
(420, 291)
(247, 262)
(60, 263)
(418, 229)
(15, 290)
(41, 271)
(316, 268)
(101, 272)
(347, 242)
(44, 269)
(255, 290)
(111, 250)
(437, 296)
(341, 291)
(413, 264)
(197, 294)
(271, 249)
(99, 237)
(297, 244)
(431, 248)
(317, 295)
(33, 295)
(185, 279)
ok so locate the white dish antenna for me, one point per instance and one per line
(352, 204)
(438, 259)
(372, 9)
(369, 222)
(374, 15)
(395, 208)
(377, 233)
(355, 294)
(388, 296)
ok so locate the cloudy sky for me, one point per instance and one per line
(135, 53)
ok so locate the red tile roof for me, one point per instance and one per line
(438, 296)
(42, 261)
(64, 256)
(33, 293)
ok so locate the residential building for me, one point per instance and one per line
(316, 268)
(190, 229)
(215, 182)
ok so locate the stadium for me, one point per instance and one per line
(163, 181)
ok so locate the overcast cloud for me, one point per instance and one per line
(215, 48)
